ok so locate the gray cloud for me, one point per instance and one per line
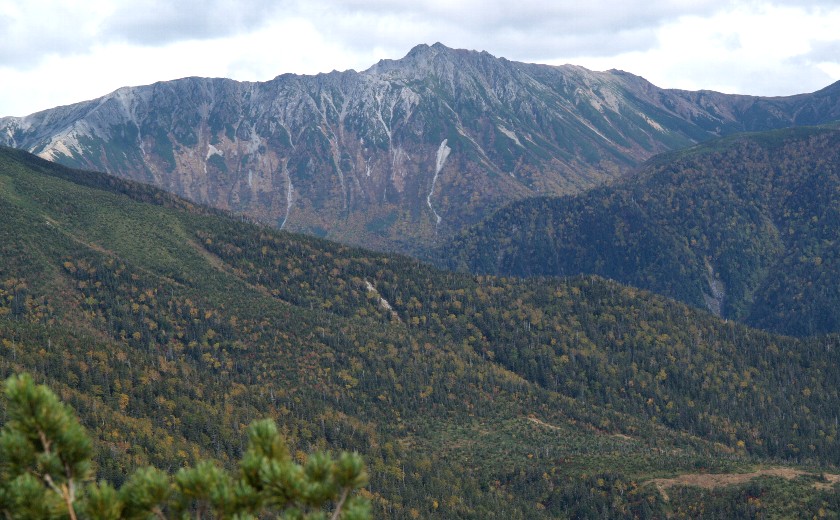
(521, 30)
(30, 32)
(594, 15)
(159, 22)
(35, 29)
(823, 51)
(527, 29)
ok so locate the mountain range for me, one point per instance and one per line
(170, 326)
(402, 155)
(152, 273)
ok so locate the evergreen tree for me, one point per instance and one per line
(46, 472)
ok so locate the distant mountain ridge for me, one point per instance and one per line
(402, 154)
(747, 226)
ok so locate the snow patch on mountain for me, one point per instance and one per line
(289, 194)
(440, 160)
(510, 135)
(715, 300)
(384, 304)
(651, 122)
(212, 150)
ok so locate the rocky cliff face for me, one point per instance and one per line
(402, 154)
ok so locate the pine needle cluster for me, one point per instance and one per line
(46, 472)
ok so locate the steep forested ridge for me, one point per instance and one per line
(170, 327)
(746, 226)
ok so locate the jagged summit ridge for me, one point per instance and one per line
(354, 155)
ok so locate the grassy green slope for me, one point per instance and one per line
(752, 219)
(170, 327)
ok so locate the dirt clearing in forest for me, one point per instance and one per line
(716, 480)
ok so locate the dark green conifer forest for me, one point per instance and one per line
(170, 329)
(747, 227)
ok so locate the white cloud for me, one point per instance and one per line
(35, 29)
(60, 52)
(751, 49)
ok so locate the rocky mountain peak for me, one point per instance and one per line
(421, 62)
(400, 155)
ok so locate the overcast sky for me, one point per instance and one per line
(60, 52)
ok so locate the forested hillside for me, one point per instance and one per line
(747, 227)
(170, 327)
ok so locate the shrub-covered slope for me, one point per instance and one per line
(170, 327)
